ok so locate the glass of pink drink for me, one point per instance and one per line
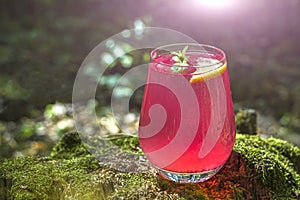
(187, 127)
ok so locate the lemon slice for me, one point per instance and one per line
(206, 73)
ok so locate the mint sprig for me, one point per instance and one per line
(181, 60)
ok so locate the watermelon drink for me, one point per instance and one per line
(187, 127)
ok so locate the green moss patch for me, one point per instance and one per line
(275, 164)
(128, 144)
(140, 186)
(42, 178)
(70, 146)
(257, 169)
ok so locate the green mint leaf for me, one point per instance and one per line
(184, 50)
(176, 59)
(181, 60)
(177, 69)
(175, 53)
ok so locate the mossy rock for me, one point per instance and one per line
(246, 121)
(257, 169)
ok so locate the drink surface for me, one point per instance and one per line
(195, 132)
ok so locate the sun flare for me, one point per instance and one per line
(216, 3)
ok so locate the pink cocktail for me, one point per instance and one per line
(187, 127)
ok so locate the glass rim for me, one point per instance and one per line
(222, 53)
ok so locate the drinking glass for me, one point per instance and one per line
(187, 126)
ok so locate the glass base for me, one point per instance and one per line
(188, 177)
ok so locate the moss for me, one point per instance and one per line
(186, 191)
(43, 178)
(70, 146)
(135, 186)
(286, 149)
(272, 145)
(274, 162)
(127, 143)
(258, 168)
(246, 121)
(70, 172)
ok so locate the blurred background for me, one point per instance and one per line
(43, 43)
